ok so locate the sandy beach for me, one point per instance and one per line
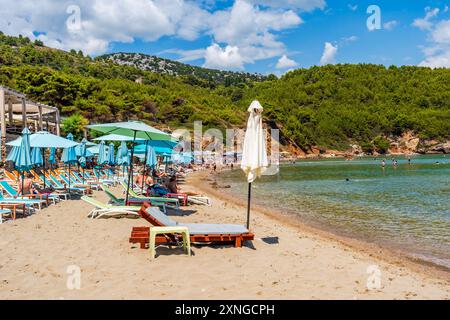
(37, 255)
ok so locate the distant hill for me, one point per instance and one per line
(165, 66)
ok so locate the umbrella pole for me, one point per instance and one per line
(130, 174)
(43, 164)
(23, 177)
(248, 204)
(145, 164)
(69, 178)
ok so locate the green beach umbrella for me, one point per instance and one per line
(116, 137)
(135, 129)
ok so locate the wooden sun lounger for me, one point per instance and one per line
(141, 234)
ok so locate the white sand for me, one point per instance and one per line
(35, 253)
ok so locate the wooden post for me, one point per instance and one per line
(24, 113)
(10, 112)
(40, 125)
(3, 123)
(58, 128)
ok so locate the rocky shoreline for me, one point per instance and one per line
(406, 145)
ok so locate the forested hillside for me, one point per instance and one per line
(327, 107)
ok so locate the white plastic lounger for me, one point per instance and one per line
(106, 210)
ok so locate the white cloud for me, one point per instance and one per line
(305, 5)
(284, 62)
(438, 54)
(350, 39)
(186, 55)
(226, 58)
(329, 54)
(248, 28)
(390, 24)
(352, 7)
(425, 23)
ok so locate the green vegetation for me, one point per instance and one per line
(328, 107)
(75, 124)
(332, 105)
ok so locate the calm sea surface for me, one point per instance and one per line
(407, 207)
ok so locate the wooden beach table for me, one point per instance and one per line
(175, 230)
(11, 208)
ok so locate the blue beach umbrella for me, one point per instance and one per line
(102, 154)
(36, 156)
(151, 157)
(22, 161)
(52, 157)
(69, 156)
(82, 155)
(111, 158)
(12, 154)
(81, 151)
(42, 140)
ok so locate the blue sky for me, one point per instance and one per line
(266, 36)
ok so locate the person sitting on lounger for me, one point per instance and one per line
(173, 187)
(26, 185)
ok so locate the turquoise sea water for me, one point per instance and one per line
(407, 207)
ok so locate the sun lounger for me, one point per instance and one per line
(199, 232)
(60, 186)
(76, 180)
(107, 210)
(29, 203)
(37, 198)
(140, 198)
(135, 201)
(10, 175)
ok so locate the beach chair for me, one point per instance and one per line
(10, 176)
(30, 204)
(199, 232)
(102, 179)
(76, 180)
(57, 192)
(107, 210)
(37, 198)
(136, 198)
(60, 186)
(132, 201)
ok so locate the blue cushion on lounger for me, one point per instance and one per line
(160, 216)
(206, 228)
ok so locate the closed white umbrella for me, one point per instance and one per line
(254, 154)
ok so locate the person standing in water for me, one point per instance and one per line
(383, 163)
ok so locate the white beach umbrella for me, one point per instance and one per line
(254, 154)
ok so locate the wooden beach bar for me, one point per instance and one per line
(18, 112)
